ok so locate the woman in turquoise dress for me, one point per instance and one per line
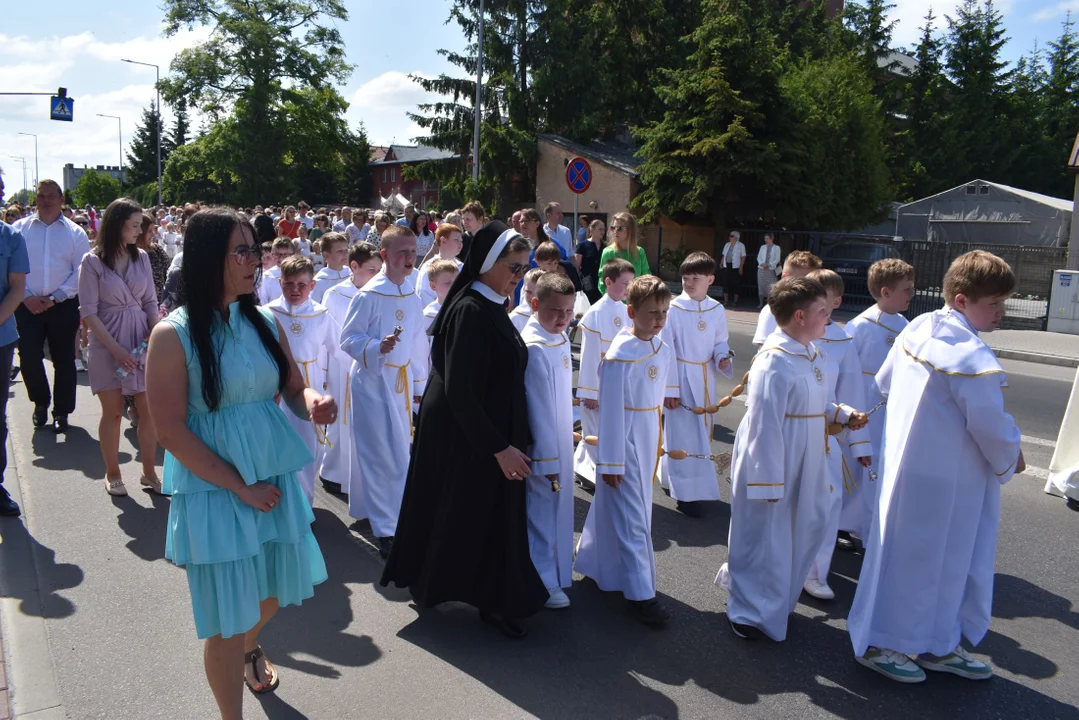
(239, 523)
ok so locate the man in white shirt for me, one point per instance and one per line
(50, 311)
(304, 215)
(559, 234)
(345, 221)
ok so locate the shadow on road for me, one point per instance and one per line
(145, 526)
(19, 580)
(75, 449)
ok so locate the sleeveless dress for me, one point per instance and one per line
(235, 555)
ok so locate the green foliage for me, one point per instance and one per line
(96, 188)
(140, 167)
(671, 259)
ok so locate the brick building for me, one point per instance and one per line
(386, 173)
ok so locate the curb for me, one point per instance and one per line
(1041, 358)
(32, 692)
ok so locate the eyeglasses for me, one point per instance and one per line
(282, 255)
(82, 223)
(518, 268)
(243, 253)
(618, 228)
(301, 286)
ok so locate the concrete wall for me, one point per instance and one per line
(611, 189)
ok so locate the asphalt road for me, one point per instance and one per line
(123, 643)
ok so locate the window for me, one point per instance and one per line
(972, 189)
(393, 174)
(383, 174)
(983, 189)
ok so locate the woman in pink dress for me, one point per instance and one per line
(118, 304)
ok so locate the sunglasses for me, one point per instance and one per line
(82, 223)
(518, 268)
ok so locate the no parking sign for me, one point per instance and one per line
(578, 175)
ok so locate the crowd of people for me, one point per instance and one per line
(422, 367)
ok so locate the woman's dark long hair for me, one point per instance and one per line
(110, 240)
(416, 229)
(206, 245)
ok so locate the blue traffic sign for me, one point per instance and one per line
(63, 108)
(578, 175)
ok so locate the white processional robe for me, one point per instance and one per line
(339, 462)
(326, 279)
(779, 454)
(1064, 468)
(874, 333)
(846, 385)
(766, 325)
(382, 390)
(615, 548)
(605, 319)
(312, 337)
(423, 282)
(549, 387)
(270, 288)
(697, 333)
(520, 315)
(927, 576)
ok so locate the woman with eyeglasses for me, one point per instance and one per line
(118, 305)
(238, 522)
(732, 261)
(462, 531)
(624, 245)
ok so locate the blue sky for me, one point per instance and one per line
(78, 44)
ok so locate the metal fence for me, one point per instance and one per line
(851, 256)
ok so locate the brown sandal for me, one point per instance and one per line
(252, 658)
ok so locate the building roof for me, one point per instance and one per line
(898, 63)
(1056, 203)
(378, 153)
(397, 154)
(616, 155)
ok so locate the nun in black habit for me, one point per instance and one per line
(462, 533)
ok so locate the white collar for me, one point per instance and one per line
(487, 292)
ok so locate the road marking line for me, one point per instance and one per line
(1037, 472)
(1038, 441)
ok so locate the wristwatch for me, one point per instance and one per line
(54, 300)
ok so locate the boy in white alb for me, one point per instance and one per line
(440, 276)
(389, 370)
(312, 336)
(798, 264)
(696, 331)
(339, 471)
(891, 283)
(334, 248)
(849, 451)
(605, 319)
(521, 314)
(270, 289)
(638, 372)
(779, 479)
(448, 242)
(549, 387)
(927, 577)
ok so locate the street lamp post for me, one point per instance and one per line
(120, 135)
(23, 161)
(479, 100)
(36, 178)
(158, 86)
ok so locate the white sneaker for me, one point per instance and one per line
(819, 590)
(115, 487)
(892, 664)
(558, 600)
(723, 577)
(958, 662)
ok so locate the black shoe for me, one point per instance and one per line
(14, 372)
(689, 508)
(41, 415)
(845, 541)
(384, 546)
(504, 625)
(1072, 504)
(8, 507)
(330, 485)
(746, 632)
(650, 612)
(59, 423)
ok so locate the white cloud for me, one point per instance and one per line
(911, 16)
(382, 104)
(1057, 10)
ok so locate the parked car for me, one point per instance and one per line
(851, 260)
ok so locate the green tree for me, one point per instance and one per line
(872, 36)
(1061, 107)
(96, 188)
(140, 167)
(178, 133)
(258, 57)
(202, 170)
(356, 186)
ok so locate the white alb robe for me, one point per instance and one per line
(844, 380)
(766, 325)
(382, 390)
(549, 387)
(615, 549)
(423, 283)
(1064, 468)
(697, 333)
(927, 576)
(326, 279)
(520, 315)
(270, 288)
(312, 337)
(779, 454)
(339, 462)
(605, 319)
(874, 333)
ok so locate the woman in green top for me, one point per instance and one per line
(322, 226)
(624, 245)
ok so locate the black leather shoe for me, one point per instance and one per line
(1073, 504)
(689, 509)
(59, 423)
(330, 486)
(650, 612)
(746, 632)
(14, 372)
(384, 546)
(845, 541)
(41, 416)
(8, 507)
(504, 625)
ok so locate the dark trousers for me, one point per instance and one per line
(732, 281)
(59, 325)
(7, 352)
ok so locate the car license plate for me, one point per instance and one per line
(847, 270)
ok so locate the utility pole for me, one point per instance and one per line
(120, 135)
(479, 100)
(36, 178)
(158, 86)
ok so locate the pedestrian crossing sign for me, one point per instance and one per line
(63, 108)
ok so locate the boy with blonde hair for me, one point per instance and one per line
(334, 250)
(927, 577)
(638, 372)
(447, 246)
(797, 265)
(520, 315)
